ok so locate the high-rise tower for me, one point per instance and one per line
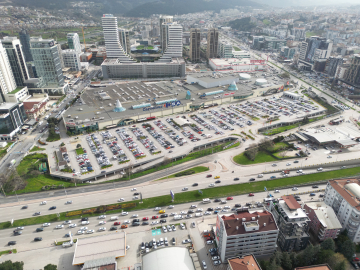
(212, 43)
(195, 45)
(7, 80)
(74, 42)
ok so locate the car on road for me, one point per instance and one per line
(319, 169)
(274, 165)
(182, 226)
(84, 219)
(162, 220)
(210, 242)
(39, 229)
(315, 186)
(68, 202)
(217, 200)
(343, 167)
(102, 229)
(216, 177)
(36, 239)
(273, 177)
(252, 179)
(288, 164)
(134, 216)
(102, 217)
(229, 198)
(212, 185)
(46, 224)
(11, 243)
(37, 213)
(277, 191)
(60, 226)
(52, 208)
(154, 217)
(236, 178)
(215, 258)
(113, 228)
(171, 206)
(157, 208)
(312, 194)
(209, 175)
(121, 200)
(251, 194)
(145, 218)
(24, 207)
(217, 182)
(162, 212)
(43, 203)
(73, 225)
(184, 188)
(195, 184)
(116, 223)
(90, 231)
(133, 189)
(124, 213)
(19, 228)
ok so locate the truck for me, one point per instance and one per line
(285, 172)
(12, 163)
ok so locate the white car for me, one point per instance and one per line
(204, 264)
(102, 222)
(218, 208)
(209, 242)
(46, 224)
(83, 228)
(329, 156)
(193, 206)
(173, 214)
(121, 200)
(124, 213)
(164, 229)
(102, 217)
(207, 213)
(134, 216)
(226, 207)
(133, 189)
(126, 222)
(154, 222)
(80, 232)
(183, 212)
(43, 202)
(20, 228)
(182, 226)
(135, 198)
(288, 164)
(171, 207)
(225, 210)
(90, 231)
(67, 222)
(73, 225)
(199, 210)
(185, 188)
(173, 227)
(277, 191)
(157, 208)
(102, 229)
(59, 226)
(320, 169)
(212, 185)
(294, 188)
(169, 228)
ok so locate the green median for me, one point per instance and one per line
(191, 196)
(187, 172)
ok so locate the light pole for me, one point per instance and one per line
(65, 191)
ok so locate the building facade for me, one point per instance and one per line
(287, 53)
(254, 232)
(12, 117)
(125, 40)
(74, 42)
(314, 49)
(323, 220)
(25, 42)
(225, 49)
(195, 45)
(173, 41)
(293, 224)
(332, 65)
(71, 59)
(268, 43)
(16, 59)
(343, 196)
(212, 43)
(7, 79)
(163, 19)
(352, 74)
(47, 62)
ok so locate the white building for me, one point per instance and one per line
(237, 65)
(71, 59)
(250, 232)
(173, 41)
(7, 80)
(164, 19)
(225, 49)
(74, 42)
(112, 41)
(343, 196)
(212, 79)
(240, 54)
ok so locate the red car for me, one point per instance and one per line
(356, 259)
(229, 198)
(117, 223)
(155, 217)
(145, 218)
(209, 238)
(251, 194)
(209, 175)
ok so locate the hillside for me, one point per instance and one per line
(242, 24)
(172, 7)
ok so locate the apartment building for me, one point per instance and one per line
(323, 220)
(195, 45)
(71, 59)
(293, 224)
(247, 262)
(352, 74)
(212, 43)
(343, 195)
(254, 232)
(225, 49)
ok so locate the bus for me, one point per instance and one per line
(110, 126)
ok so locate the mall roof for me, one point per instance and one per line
(98, 247)
(174, 258)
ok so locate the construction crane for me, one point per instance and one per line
(82, 28)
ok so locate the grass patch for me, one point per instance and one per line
(61, 99)
(16, 90)
(79, 151)
(237, 135)
(277, 146)
(53, 138)
(190, 196)
(8, 251)
(191, 171)
(236, 48)
(3, 150)
(260, 158)
(36, 148)
(61, 242)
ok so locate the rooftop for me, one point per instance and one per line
(160, 259)
(232, 61)
(314, 267)
(17, 90)
(236, 223)
(98, 247)
(7, 105)
(341, 186)
(291, 208)
(244, 263)
(325, 214)
(291, 202)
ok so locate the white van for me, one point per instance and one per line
(260, 175)
(177, 217)
(198, 215)
(207, 200)
(114, 218)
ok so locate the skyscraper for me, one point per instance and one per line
(212, 43)
(352, 74)
(112, 41)
(74, 42)
(163, 32)
(71, 59)
(7, 80)
(173, 41)
(25, 42)
(47, 61)
(16, 59)
(195, 45)
(124, 40)
(314, 50)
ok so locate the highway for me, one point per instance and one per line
(50, 234)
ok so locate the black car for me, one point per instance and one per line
(36, 239)
(136, 224)
(298, 199)
(238, 205)
(162, 220)
(217, 181)
(321, 195)
(217, 200)
(52, 208)
(210, 209)
(164, 215)
(136, 193)
(146, 245)
(17, 232)
(252, 179)
(195, 184)
(136, 220)
(315, 186)
(24, 207)
(85, 219)
(11, 243)
(113, 228)
(68, 235)
(36, 213)
(190, 211)
(145, 223)
(237, 178)
(39, 229)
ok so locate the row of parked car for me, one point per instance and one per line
(98, 150)
(111, 141)
(159, 137)
(84, 163)
(202, 122)
(130, 144)
(140, 136)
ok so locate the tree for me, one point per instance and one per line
(347, 249)
(282, 151)
(294, 260)
(341, 265)
(307, 255)
(324, 256)
(9, 265)
(277, 257)
(305, 120)
(252, 151)
(50, 267)
(285, 75)
(266, 144)
(286, 262)
(334, 260)
(328, 244)
(273, 266)
(78, 145)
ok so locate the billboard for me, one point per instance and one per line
(172, 195)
